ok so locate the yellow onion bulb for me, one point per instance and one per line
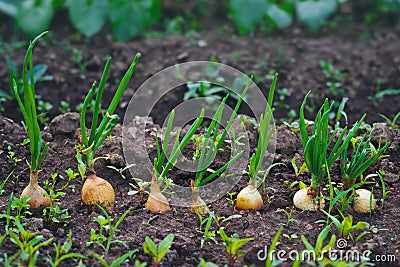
(157, 202)
(249, 198)
(198, 205)
(38, 199)
(96, 190)
(362, 201)
(305, 201)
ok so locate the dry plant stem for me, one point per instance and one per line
(249, 198)
(198, 204)
(35, 192)
(348, 183)
(157, 202)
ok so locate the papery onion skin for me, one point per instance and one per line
(96, 190)
(249, 198)
(198, 204)
(362, 201)
(304, 199)
(157, 202)
(37, 194)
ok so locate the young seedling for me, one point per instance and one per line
(29, 245)
(210, 147)
(319, 251)
(362, 157)
(118, 261)
(233, 245)
(346, 227)
(157, 202)
(392, 122)
(316, 155)
(62, 252)
(249, 198)
(288, 216)
(28, 110)
(208, 234)
(97, 190)
(105, 223)
(157, 253)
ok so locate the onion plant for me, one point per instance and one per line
(316, 155)
(210, 147)
(361, 158)
(37, 194)
(96, 190)
(157, 202)
(249, 197)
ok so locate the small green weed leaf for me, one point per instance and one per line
(314, 13)
(164, 246)
(150, 247)
(34, 16)
(246, 14)
(361, 225)
(88, 16)
(279, 17)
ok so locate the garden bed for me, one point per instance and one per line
(364, 63)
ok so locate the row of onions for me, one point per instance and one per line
(321, 150)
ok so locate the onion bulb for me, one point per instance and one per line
(304, 199)
(249, 198)
(362, 201)
(157, 202)
(96, 190)
(198, 205)
(35, 192)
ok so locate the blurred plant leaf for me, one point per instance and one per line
(246, 14)
(34, 16)
(130, 18)
(88, 16)
(314, 13)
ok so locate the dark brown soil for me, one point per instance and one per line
(365, 62)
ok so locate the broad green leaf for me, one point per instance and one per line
(246, 14)
(130, 18)
(164, 246)
(361, 225)
(280, 17)
(34, 16)
(88, 16)
(150, 247)
(314, 13)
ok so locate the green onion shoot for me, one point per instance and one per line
(37, 194)
(249, 198)
(211, 145)
(316, 155)
(97, 190)
(363, 155)
(157, 202)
